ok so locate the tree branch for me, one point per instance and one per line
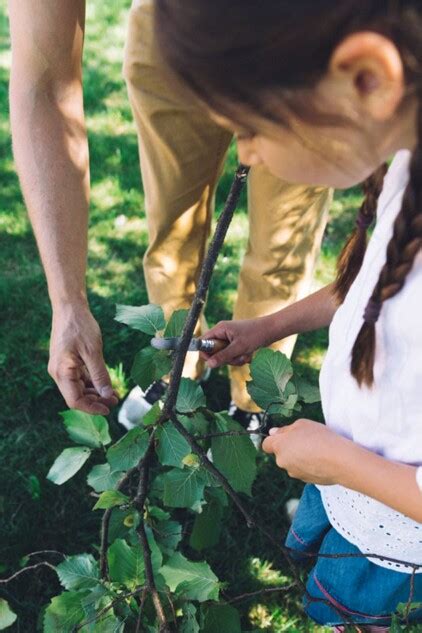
(202, 288)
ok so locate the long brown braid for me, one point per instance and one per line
(402, 249)
(351, 258)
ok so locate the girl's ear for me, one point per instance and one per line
(372, 66)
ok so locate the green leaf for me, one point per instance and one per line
(162, 364)
(156, 555)
(7, 617)
(220, 618)
(172, 447)
(183, 488)
(157, 513)
(190, 396)
(195, 423)
(126, 563)
(150, 365)
(189, 623)
(67, 464)
(234, 456)
(101, 478)
(110, 499)
(63, 613)
(270, 371)
(207, 525)
(308, 393)
(168, 535)
(193, 581)
(78, 572)
(97, 598)
(127, 452)
(148, 319)
(153, 414)
(176, 323)
(143, 369)
(90, 430)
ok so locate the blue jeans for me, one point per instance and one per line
(353, 589)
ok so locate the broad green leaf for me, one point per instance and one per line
(148, 319)
(110, 499)
(153, 414)
(190, 396)
(183, 488)
(64, 613)
(207, 525)
(118, 521)
(101, 478)
(143, 369)
(168, 535)
(192, 581)
(90, 430)
(7, 617)
(189, 623)
(218, 618)
(126, 563)
(78, 572)
(172, 447)
(162, 364)
(176, 323)
(307, 392)
(127, 452)
(67, 464)
(157, 513)
(234, 456)
(270, 371)
(195, 423)
(97, 598)
(156, 555)
(150, 365)
(105, 623)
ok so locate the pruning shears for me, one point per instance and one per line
(209, 346)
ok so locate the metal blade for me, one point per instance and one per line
(172, 343)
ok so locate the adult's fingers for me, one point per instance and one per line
(99, 375)
(73, 389)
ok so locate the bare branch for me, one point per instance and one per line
(5, 581)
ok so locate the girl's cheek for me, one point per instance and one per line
(247, 153)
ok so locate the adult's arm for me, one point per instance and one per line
(51, 153)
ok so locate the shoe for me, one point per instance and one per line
(250, 420)
(139, 402)
(291, 507)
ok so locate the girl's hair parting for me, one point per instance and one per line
(244, 57)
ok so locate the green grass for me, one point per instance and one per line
(35, 514)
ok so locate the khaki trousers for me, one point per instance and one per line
(182, 153)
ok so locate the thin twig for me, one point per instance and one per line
(5, 581)
(46, 551)
(254, 594)
(141, 608)
(97, 616)
(139, 504)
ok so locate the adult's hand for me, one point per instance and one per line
(76, 361)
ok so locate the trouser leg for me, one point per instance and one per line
(181, 154)
(286, 225)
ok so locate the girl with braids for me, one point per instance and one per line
(325, 93)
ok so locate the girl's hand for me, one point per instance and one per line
(309, 451)
(244, 336)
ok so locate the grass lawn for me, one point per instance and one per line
(35, 514)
